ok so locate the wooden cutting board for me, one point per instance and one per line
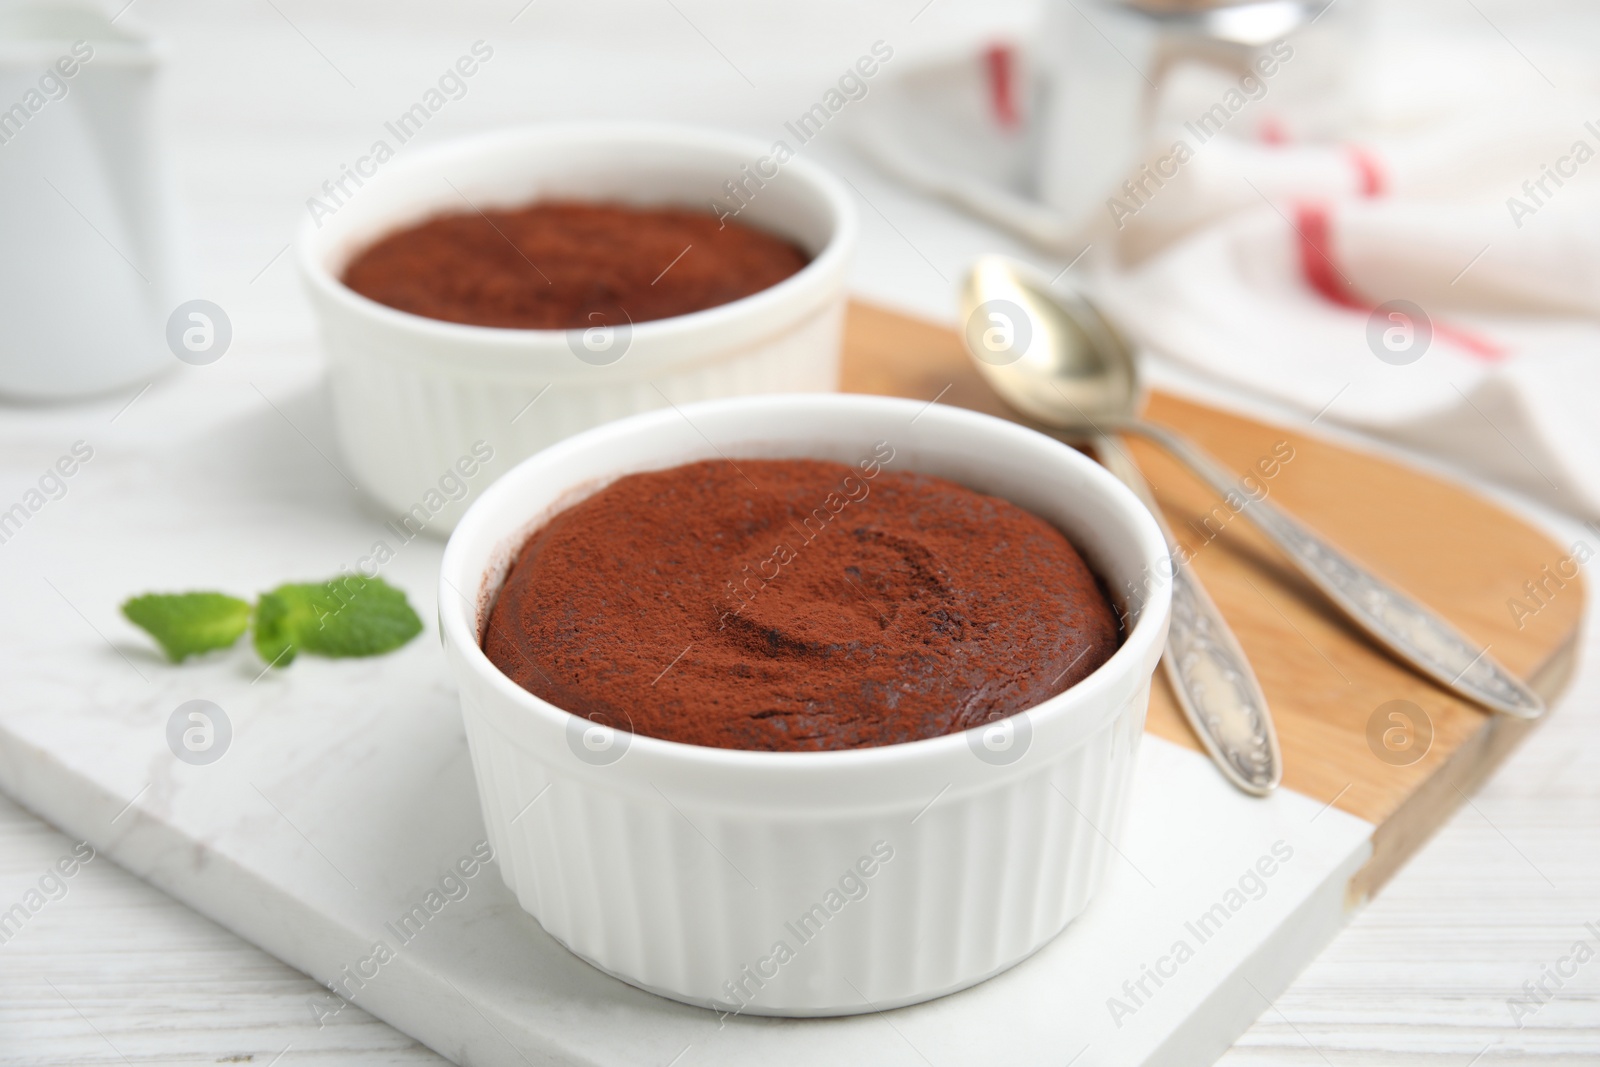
(1324, 680)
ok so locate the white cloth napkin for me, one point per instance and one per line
(1262, 265)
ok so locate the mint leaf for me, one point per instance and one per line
(187, 624)
(348, 616)
(279, 616)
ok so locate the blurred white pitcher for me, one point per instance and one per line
(87, 271)
(1109, 63)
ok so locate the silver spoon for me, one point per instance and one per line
(1216, 688)
(1058, 361)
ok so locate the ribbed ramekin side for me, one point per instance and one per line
(693, 900)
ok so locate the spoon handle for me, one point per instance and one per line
(1215, 686)
(1411, 631)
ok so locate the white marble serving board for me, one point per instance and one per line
(346, 790)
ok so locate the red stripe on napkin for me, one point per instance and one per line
(1000, 60)
(1314, 225)
(1316, 261)
(1374, 180)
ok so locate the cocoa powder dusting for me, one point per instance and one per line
(832, 607)
(562, 265)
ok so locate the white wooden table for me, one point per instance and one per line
(269, 98)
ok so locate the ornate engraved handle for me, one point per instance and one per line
(1408, 629)
(1216, 688)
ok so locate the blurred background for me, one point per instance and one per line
(997, 127)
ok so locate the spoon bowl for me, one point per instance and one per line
(1051, 356)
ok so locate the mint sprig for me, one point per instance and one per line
(346, 616)
(187, 624)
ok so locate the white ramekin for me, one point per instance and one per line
(679, 868)
(412, 396)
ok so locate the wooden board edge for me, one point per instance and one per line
(1431, 805)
